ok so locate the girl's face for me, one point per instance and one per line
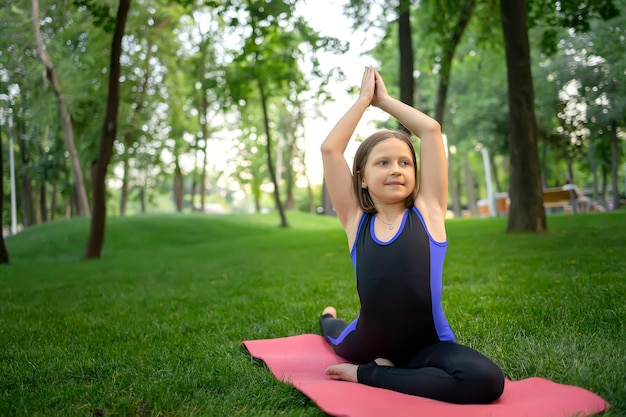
(388, 172)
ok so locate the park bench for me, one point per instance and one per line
(557, 197)
(553, 198)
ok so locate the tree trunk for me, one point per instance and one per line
(105, 152)
(194, 186)
(457, 192)
(124, 191)
(53, 200)
(605, 186)
(605, 174)
(327, 204)
(452, 184)
(614, 165)
(448, 56)
(4, 254)
(43, 201)
(179, 191)
(83, 203)
(570, 172)
(593, 167)
(494, 170)
(469, 189)
(405, 44)
(309, 189)
(26, 185)
(205, 135)
(257, 203)
(526, 212)
(129, 135)
(143, 197)
(444, 82)
(270, 164)
(290, 199)
(543, 163)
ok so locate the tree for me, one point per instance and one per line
(4, 254)
(268, 67)
(83, 203)
(476, 115)
(109, 130)
(206, 98)
(459, 15)
(405, 47)
(526, 212)
(181, 124)
(149, 41)
(440, 26)
(376, 14)
(251, 170)
(268, 74)
(598, 76)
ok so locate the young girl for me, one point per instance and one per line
(397, 239)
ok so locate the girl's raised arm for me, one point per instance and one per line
(433, 172)
(336, 169)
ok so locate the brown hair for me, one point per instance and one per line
(360, 159)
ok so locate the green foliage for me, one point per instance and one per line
(553, 16)
(171, 62)
(475, 119)
(103, 13)
(155, 326)
(580, 83)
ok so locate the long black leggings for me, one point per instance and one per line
(444, 371)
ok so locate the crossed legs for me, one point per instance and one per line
(444, 371)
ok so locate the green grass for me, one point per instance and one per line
(154, 328)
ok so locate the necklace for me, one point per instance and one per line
(389, 225)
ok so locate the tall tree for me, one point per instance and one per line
(109, 130)
(81, 194)
(268, 68)
(206, 95)
(405, 48)
(368, 13)
(150, 39)
(598, 77)
(4, 254)
(526, 212)
(459, 15)
(452, 22)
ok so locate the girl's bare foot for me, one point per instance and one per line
(383, 362)
(331, 311)
(343, 372)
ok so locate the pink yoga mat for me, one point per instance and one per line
(301, 361)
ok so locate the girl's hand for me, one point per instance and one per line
(380, 91)
(368, 84)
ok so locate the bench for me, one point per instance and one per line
(557, 197)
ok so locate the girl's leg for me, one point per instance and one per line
(343, 338)
(445, 371)
(348, 371)
(332, 327)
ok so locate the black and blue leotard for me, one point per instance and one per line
(401, 318)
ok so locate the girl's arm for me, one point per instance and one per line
(433, 172)
(336, 169)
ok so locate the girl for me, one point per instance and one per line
(397, 237)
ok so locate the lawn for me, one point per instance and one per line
(154, 328)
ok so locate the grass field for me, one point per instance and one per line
(154, 328)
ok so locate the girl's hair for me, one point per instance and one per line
(360, 159)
